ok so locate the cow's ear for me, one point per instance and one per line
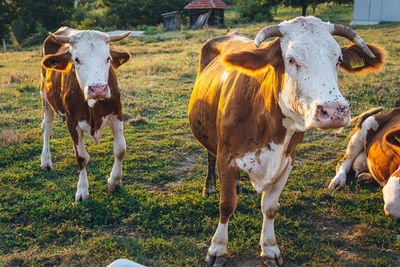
(119, 58)
(393, 138)
(356, 61)
(257, 59)
(58, 62)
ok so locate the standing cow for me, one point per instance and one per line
(80, 84)
(251, 106)
(374, 154)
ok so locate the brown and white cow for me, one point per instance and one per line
(80, 84)
(374, 154)
(251, 106)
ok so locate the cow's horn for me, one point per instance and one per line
(60, 38)
(114, 38)
(348, 33)
(267, 32)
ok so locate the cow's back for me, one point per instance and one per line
(381, 149)
(227, 100)
(211, 76)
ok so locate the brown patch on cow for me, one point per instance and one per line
(296, 138)
(383, 146)
(119, 58)
(356, 61)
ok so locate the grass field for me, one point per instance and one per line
(159, 217)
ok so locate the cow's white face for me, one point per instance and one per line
(312, 57)
(91, 56)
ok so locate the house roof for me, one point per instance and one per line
(207, 4)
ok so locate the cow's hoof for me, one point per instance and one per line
(113, 187)
(209, 192)
(47, 167)
(216, 261)
(273, 262)
(81, 196)
(337, 182)
(365, 178)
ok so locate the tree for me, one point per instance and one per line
(303, 4)
(255, 10)
(7, 14)
(46, 15)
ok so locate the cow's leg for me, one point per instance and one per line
(82, 156)
(391, 195)
(228, 200)
(270, 252)
(360, 164)
(354, 148)
(361, 169)
(210, 188)
(117, 128)
(47, 125)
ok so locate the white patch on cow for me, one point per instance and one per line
(269, 206)
(266, 164)
(354, 148)
(312, 80)
(391, 196)
(219, 241)
(91, 56)
(84, 126)
(91, 102)
(117, 128)
(224, 76)
(82, 191)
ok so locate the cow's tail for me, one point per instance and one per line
(362, 117)
(357, 121)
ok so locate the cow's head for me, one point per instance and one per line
(311, 57)
(90, 55)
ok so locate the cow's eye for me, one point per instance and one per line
(77, 61)
(108, 59)
(291, 61)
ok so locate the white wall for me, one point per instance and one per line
(375, 11)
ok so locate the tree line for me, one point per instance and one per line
(29, 21)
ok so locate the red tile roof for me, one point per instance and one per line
(206, 4)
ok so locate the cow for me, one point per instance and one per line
(373, 153)
(80, 84)
(250, 108)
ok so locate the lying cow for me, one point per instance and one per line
(251, 106)
(79, 83)
(374, 154)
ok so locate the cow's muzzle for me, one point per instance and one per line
(328, 116)
(98, 91)
(333, 116)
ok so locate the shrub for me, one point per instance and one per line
(254, 10)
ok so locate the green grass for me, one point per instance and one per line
(159, 217)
